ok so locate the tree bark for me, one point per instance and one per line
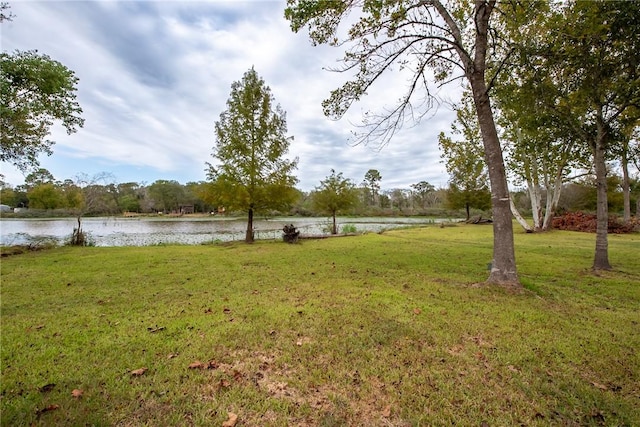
(519, 218)
(249, 235)
(503, 270)
(625, 185)
(552, 201)
(334, 229)
(503, 266)
(601, 258)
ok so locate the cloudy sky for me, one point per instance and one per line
(155, 76)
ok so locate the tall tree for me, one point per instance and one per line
(251, 172)
(587, 53)
(335, 194)
(372, 182)
(429, 40)
(36, 91)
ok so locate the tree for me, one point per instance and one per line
(36, 91)
(252, 173)
(38, 177)
(335, 194)
(166, 194)
(372, 182)
(420, 192)
(464, 162)
(5, 13)
(588, 54)
(428, 41)
(45, 196)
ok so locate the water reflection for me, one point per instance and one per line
(114, 231)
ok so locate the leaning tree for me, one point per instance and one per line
(426, 41)
(251, 173)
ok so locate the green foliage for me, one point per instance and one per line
(166, 195)
(251, 173)
(464, 160)
(349, 229)
(372, 182)
(46, 196)
(36, 91)
(357, 331)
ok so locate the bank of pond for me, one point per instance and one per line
(146, 231)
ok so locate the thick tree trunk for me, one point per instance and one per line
(601, 258)
(468, 210)
(249, 235)
(503, 267)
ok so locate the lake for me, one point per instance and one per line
(145, 231)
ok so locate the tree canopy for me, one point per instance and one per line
(251, 172)
(36, 91)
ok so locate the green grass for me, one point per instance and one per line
(374, 330)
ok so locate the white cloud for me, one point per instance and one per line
(155, 76)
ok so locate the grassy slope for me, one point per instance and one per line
(373, 330)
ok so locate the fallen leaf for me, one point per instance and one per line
(224, 383)
(226, 310)
(512, 368)
(600, 386)
(77, 393)
(386, 412)
(212, 364)
(237, 375)
(138, 372)
(47, 409)
(156, 329)
(172, 355)
(46, 388)
(196, 365)
(231, 422)
(417, 311)
(39, 327)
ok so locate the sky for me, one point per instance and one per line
(154, 77)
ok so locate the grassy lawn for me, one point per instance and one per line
(374, 330)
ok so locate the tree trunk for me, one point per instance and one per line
(249, 235)
(535, 195)
(553, 197)
(519, 218)
(601, 258)
(334, 229)
(466, 205)
(503, 267)
(625, 185)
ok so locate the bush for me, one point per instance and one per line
(348, 228)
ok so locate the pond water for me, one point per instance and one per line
(145, 231)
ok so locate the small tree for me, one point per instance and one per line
(251, 173)
(464, 162)
(335, 194)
